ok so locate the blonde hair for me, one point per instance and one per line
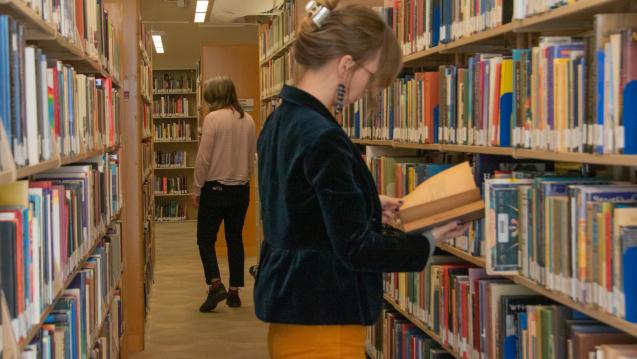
(219, 92)
(353, 30)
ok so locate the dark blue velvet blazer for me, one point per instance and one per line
(324, 253)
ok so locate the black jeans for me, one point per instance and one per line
(229, 204)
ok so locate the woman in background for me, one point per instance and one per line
(319, 281)
(223, 168)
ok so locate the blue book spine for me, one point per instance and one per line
(598, 138)
(630, 118)
(436, 22)
(5, 75)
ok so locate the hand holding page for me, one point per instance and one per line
(449, 195)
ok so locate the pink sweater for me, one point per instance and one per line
(227, 149)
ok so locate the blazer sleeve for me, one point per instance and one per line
(328, 167)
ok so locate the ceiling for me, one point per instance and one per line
(223, 11)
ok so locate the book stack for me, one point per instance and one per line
(560, 96)
(423, 24)
(396, 337)
(171, 106)
(169, 211)
(572, 235)
(171, 159)
(276, 73)
(274, 33)
(478, 315)
(85, 24)
(176, 131)
(171, 185)
(147, 120)
(173, 82)
(147, 157)
(77, 320)
(48, 110)
(49, 224)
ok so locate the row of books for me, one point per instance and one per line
(395, 337)
(170, 210)
(423, 24)
(147, 120)
(173, 81)
(277, 73)
(171, 185)
(78, 324)
(171, 106)
(560, 96)
(86, 24)
(145, 77)
(147, 156)
(274, 33)
(175, 131)
(171, 159)
(48, 110)
(49, 224)
(577, 236)
(486, 316)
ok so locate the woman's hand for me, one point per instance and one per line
(195, 201)
(390, 206)
(448, 231)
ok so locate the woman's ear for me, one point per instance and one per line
(345, 63)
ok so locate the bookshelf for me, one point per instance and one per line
(572, 19)
(175, 129)
(99, 149)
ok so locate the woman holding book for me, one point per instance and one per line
(320, 274)
(223, 167)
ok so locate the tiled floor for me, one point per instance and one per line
(176, 329)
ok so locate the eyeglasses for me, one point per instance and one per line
(371, 74)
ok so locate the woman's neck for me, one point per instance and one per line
(318, 85)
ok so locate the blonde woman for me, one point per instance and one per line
(223, 168)
(319, 281)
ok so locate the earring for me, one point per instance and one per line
(340, 98)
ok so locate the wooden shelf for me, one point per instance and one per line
(54, 45)
(177, 141)
(146, 99)
(83, 156)
(47, 310)
(7, 177)
(603, 317)
(147, 174)
(174, 168)
(172, 117)
(616, 160)
(575, 17)
(173, 92)
(372, 142)
(479, 261)
(172, 194)
(422, 326)
(559, 297)
(278, 52)
(107, 309)
(23, 172)
(35, 26)
(505, 151)
(609, 160)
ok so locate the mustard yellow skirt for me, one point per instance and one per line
(288, 341)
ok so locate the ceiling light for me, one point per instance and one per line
(159, 45)
(202, 6)
(200, 16)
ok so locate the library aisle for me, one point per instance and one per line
(176, 329)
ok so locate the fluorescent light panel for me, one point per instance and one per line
(159, 45)
(200, 16)
(202, 6)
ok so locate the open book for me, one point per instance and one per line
(446, 196)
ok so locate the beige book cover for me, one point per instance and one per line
(448, 195)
